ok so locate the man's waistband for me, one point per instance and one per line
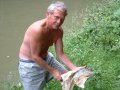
(29, 61)
(26, 61)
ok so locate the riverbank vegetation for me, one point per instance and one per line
(97, 45)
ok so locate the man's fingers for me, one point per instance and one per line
(61, 80)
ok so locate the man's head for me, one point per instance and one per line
(56, 13)
(57, 6)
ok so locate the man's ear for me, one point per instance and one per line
(47, 14)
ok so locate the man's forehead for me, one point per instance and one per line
(59, 12)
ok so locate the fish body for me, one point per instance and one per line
(75, 77)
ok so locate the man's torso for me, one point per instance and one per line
(46, 39)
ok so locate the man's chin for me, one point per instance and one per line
(56, 28)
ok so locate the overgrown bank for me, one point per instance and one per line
(97, 45)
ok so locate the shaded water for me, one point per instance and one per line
(15, 17)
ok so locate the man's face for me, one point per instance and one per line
(56, 19)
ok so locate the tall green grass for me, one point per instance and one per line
(97, 45)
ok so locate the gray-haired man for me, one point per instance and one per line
(36, 65)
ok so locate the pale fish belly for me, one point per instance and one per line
(76, 77)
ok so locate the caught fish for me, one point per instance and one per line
(76, 77)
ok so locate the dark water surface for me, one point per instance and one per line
(15, 17)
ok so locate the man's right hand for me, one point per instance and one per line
(57, 75)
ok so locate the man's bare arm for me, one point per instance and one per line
(60, 53)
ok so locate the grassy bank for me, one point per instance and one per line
(97, 45)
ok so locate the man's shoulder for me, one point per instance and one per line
(37, 25)
(61, 30)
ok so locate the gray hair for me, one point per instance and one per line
(57, 6)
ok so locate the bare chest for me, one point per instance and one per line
(49, 39)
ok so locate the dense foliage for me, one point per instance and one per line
(97, 45)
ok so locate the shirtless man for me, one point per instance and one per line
(36, 65)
